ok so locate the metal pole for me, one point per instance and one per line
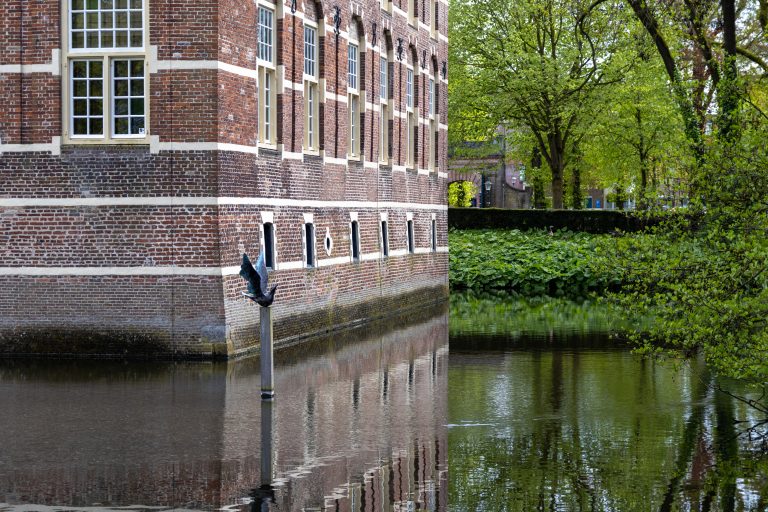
(267, 363)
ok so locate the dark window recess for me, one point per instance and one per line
(384, 239)
(310, 234)
(269, 245)
(355, 241)
(434, 235)
(410, 237)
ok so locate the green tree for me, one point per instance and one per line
(535, 64)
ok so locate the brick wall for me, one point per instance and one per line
(139, 241)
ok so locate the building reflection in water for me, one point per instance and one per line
(358, 424)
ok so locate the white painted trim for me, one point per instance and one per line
(53, 67)
(398, 168)
(442, 175)
(408, 216)
(170, 270)
(54, 147)
(370, 165)
(399, 11)
(309, 218)
(372, 106)
(69, 202)
(341, 98)
(175, 65)
(288, 155)
(422, 250)
(155, 146)
(398, 252)
(424, 172)
(292, 265)
(327, 262)
(371, 256)
(335, 161)
(442, 249)
(288, 85)
(442, 37)
(384, 216)
(442, 126)
(269, 217)
(352, 216)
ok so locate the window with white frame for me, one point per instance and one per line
(434, 17)
(355, 240)
(310, 258)
(410, 128)
(106, 70)
(412, 15)
(270, 244)
(384, 110)
(267, 75)
(311, 88)
(353, 98)
(384, 238)
(434, 235)
(432, 125)
(410, 236)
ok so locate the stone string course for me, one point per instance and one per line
(207, 107)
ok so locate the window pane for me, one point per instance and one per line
(137, 87)
(80, 88)
(121, 87)
(78, 40)
(97, 107)
(95, 88)
(121, 126)
(121, 39)
(137, 126)
(96, 126)
(78, 21)
(80, 107)
(100, 17)
(265, 34)
(79, 69)
(97, 68)
(121, 107)
(107, 41)
(121, 68)
(80, 126)
(137, 106)
(137, 68)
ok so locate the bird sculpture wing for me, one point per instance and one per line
(261, 269)
(252, 276)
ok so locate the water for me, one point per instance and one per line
(553, 414)
(358, 422)
(535, 407)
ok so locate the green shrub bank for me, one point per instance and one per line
(588, 221)
(530, 263)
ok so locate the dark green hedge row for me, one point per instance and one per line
(588, 221)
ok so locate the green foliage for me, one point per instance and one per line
(460, 194)
(529, 263)
(708, 287)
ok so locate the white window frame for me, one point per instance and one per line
(410, 236)
(432, 142)
(354, 239)
(383, 109)
(384, 236)
(308, 228)
(267, 76)
(268, 224)
(411, 119)
(353, 98)
(312, 92)
(108, 57)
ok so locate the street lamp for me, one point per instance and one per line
(488, 185)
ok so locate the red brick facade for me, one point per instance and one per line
(131, 245)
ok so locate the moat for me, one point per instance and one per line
(502, 404)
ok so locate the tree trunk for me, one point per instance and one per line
(539, 201)
(556, 165)
(642, 152)
(728, 93)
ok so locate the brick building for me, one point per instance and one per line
(146, 144)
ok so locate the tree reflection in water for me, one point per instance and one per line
(548, 413)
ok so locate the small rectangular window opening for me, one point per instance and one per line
(434, 235)
(355, 241)
(309, 232)
(384, 239)
(411, 245)
(269, 245)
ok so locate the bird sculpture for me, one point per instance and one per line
(257, 281)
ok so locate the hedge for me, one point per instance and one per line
(588, 221)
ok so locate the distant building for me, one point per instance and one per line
(145, 145)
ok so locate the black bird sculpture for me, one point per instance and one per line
(257, 281)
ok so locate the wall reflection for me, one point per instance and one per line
(358, 424)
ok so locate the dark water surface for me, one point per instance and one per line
(358, 424)
(535, 408)
(547, 412)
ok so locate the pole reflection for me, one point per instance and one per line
(358, 424)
